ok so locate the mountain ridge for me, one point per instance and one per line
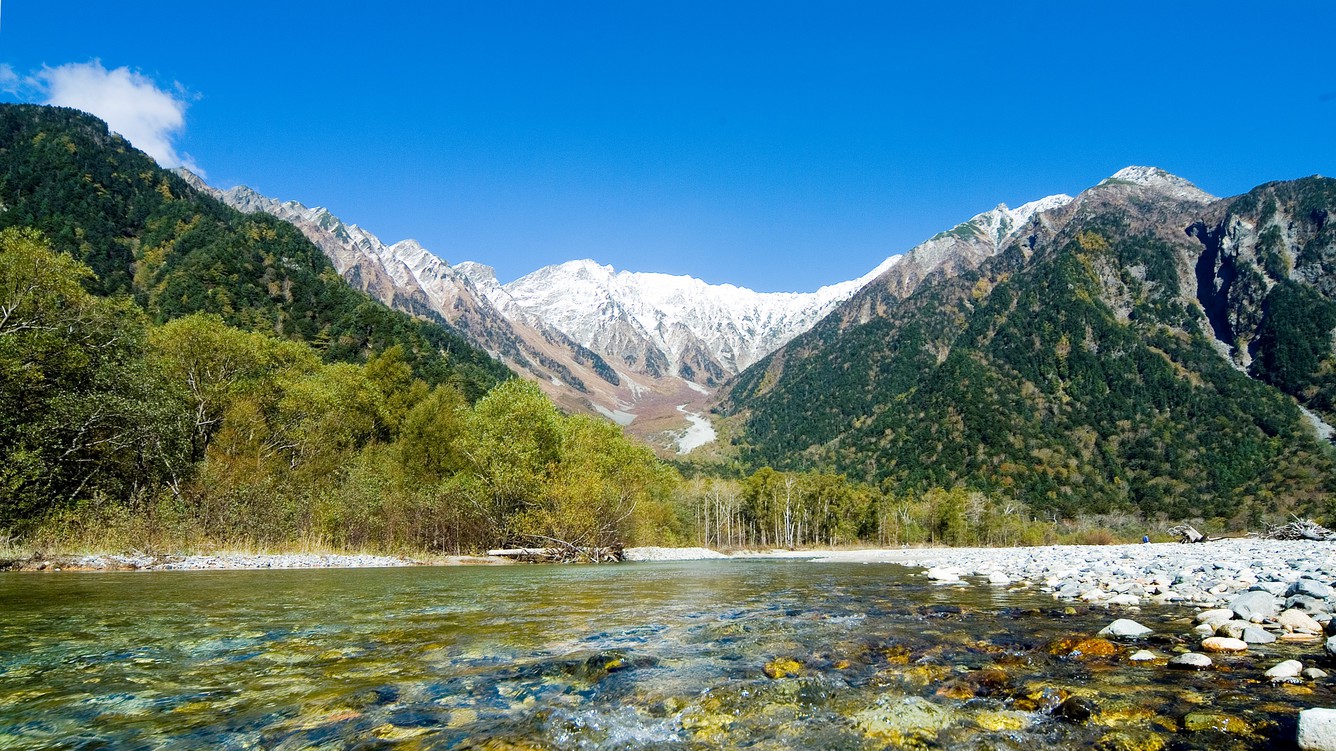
(1074, 365)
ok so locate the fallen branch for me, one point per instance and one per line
(1189, 534)
(1300, 529)
(562, 552)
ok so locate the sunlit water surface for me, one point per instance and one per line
(634, 656)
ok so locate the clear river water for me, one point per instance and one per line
(689, 655)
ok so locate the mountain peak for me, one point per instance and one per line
(1160, 180)
(588, 267)
(475, 272)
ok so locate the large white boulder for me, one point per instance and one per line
(1317, 729)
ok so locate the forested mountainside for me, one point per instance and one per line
(145, 233)
(1139, 348)
(176, 374)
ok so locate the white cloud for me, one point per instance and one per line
(130, 103)
(9, 80)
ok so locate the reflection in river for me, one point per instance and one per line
(702, 655)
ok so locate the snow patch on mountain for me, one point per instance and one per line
(699, 433)
(983, 235)
(632, 316)
(1165, 182)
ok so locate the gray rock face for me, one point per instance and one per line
(1254, 603)
(1317, 729)
(1330, 646)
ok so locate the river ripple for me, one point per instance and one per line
(691, 655)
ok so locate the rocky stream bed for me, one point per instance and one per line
(1214, 646)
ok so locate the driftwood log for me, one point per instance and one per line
(561, 554)
(1300, 529)
(1189, 534)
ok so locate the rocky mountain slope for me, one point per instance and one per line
(642, 349)
(1141, 345)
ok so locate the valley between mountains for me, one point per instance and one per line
(1062, 350)
(648, 351)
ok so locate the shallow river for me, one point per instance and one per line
(701, 655)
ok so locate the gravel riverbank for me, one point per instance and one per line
(1205, 575)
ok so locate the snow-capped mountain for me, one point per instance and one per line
(964, 245)
(663, 324)
(638, 348)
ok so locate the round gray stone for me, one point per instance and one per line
(1190, 661)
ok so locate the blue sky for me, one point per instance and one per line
(779, 146)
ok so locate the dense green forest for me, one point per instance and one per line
(1073, 373)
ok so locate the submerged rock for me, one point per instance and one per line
(999, 721)
(1196, 722)
(783, 667)
(1083, 647)
(1040, 698)
(1076, 709)
(910, 720)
